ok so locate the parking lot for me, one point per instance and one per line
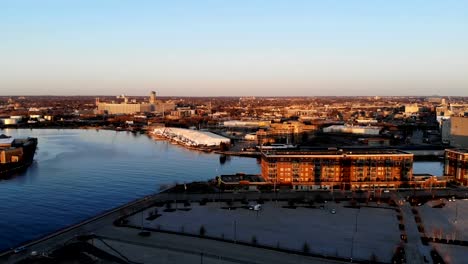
(362, 233)
(449, 222)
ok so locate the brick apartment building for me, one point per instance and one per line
(338, 169)
(456, 165)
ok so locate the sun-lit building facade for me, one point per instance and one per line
(456, 165)
(338, 169)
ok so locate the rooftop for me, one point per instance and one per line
(460, 150)
(340, 152)
(6, 141)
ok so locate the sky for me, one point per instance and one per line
(234, 48)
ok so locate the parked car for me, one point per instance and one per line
(333, 211)
(19, 249)
(255, 207)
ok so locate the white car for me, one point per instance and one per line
(255, 207)
(333, 211)
(19, 249)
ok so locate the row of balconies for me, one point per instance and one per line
(341, 180)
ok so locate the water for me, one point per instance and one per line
(80, 173)
(435, 168)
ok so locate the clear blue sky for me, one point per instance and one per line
(251, 47)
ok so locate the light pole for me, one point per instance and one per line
(456, 212)
(235, 231)
(354, 234)
(333, 195)
(274, 188)
(141, 226)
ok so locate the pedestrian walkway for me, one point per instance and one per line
(416, 252)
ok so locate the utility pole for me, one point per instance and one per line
(235, 231)
(456, 212)
(354, 234)
(141, 226)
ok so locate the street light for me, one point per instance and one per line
(456, 212)
(235, 231)
(354, 234)
(274, 188)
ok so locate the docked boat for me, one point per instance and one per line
(16, 154)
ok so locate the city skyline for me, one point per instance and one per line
(242, 48)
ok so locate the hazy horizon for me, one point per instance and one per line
(229, 96)
(240, 48)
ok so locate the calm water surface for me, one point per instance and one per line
(80, 173)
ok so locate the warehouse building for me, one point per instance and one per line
(360, 130)
(191, 137)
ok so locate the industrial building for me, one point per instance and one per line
(127, 107)
(338, 169)
(360, 130)
(13, 120)
(292, 131)
(246, 123)
(456, 165)
(124, 108)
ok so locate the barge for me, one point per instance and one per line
(16, 154)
